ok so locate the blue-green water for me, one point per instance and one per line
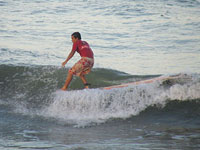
(150, 37)
(132, 41)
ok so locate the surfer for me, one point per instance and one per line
(84, 65)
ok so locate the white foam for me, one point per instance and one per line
(96, 105)
(83, 107)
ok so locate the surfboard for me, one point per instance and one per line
(147, 81)
(161, 78)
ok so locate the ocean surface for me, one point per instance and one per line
(132, 40)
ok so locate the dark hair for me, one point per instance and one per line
(77, 35)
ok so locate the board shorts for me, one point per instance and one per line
(82, 67)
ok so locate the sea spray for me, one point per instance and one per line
(33, 90)
(83, 107)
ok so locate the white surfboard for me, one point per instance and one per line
(161, 78)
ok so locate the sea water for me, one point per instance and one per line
(132, 40)
(149, 37)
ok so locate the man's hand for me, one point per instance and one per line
(63, 64)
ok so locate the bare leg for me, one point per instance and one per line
(84, 80)
(67, 82)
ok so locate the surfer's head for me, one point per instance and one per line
(76, 35)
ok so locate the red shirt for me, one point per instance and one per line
(83, 48)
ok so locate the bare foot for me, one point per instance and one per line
(64, 88)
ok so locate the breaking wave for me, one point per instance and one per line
(34, 90)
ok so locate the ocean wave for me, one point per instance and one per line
(34, 90)
(97, 105)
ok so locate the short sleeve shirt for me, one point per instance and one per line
(83, 48)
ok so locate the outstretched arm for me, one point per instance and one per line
(71, 54)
